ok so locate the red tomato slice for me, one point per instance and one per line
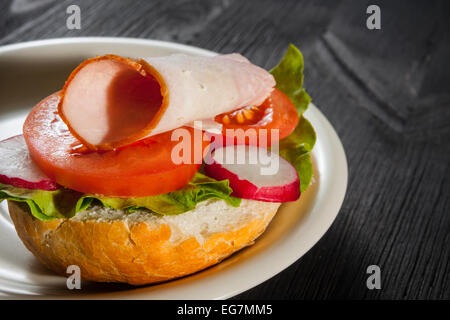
(276, 112)
(141, 169)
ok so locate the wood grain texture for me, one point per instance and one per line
(386, 92)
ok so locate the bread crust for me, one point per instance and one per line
(137, 253)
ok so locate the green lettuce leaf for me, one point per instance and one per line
(289, 77)
(296, 148)
(65, 203)
(44, 205)
(200, 189)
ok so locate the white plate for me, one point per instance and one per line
(30, 71)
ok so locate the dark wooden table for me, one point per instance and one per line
(387, 93)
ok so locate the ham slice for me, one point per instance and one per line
(111, 101)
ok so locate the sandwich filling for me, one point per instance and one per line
(110, 101)
(107, 138)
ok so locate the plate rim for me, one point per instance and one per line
(95, 39)
(140, 293)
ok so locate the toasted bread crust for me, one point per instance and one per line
(137, 253)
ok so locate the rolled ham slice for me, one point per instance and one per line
(111, 101)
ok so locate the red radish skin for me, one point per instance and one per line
(18, 169)
(243, 188)
(47, 185)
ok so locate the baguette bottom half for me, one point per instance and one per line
(142, 248)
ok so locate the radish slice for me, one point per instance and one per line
(254, 173)
(18, 169)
